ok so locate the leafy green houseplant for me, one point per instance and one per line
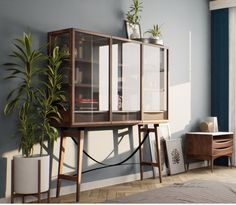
(155, 31)
(24, 68)
(133, 17)
(35, 100)
(155, 34)
(50, 99)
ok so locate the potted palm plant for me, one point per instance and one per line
(155, 34)
(133, 18)
(37, 102)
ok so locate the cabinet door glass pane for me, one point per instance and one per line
(63, 42)
(125, 80)
(154, 79)
(163, 79)
(91, 78)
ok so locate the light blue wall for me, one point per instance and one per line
(189, 77)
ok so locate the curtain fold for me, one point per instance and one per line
(220, 71)
(220, 67)
(232, 73)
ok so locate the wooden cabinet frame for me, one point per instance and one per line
(69, 117)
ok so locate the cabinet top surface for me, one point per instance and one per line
(210, 133)
(104, 35)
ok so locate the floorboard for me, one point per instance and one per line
(223, 174)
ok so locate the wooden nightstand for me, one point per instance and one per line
(208, 146)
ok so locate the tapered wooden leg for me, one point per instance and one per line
(60, 163)
(39, 199)
(79, 162)
(140, 151)
(212, 164)
(39, 180)
(48, 199)
(187, 168)
(157, 139)
(51, 144)
(12, 181)
(230, 161)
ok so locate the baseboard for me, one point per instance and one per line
(98, 184)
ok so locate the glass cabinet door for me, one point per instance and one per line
(154, 82)
(91, 78)
(125, 80)
(63, 41)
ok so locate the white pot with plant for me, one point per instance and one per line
(155, 34)
(36, 103)
(133, 18)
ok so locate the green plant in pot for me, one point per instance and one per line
(50, 98)
(35, 102)
(133, 18)
(155, 34)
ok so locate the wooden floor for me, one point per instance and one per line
(224, 174)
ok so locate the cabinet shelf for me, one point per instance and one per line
(86, 85)
(86, 62)
(126, 111)
(88, 112)
(77, 60)
(160, 90)
(155, 111)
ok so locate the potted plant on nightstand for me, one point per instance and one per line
(36, 102)
(155, 34)
(133, 19)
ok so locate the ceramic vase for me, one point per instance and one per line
(26, 174)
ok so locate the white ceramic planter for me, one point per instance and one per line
(26, 174)
(157, 40)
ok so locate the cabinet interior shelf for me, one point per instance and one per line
(85, 85)
(77, 60)
(89, 112)
(155, 111)
(126, 111)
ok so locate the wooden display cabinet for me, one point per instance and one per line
(108, 81)
(111, 81)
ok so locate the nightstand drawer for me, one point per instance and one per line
(222, 151)
(222, 143)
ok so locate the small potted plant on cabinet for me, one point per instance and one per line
(133, 19)
(37, 102)
(155, 34)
